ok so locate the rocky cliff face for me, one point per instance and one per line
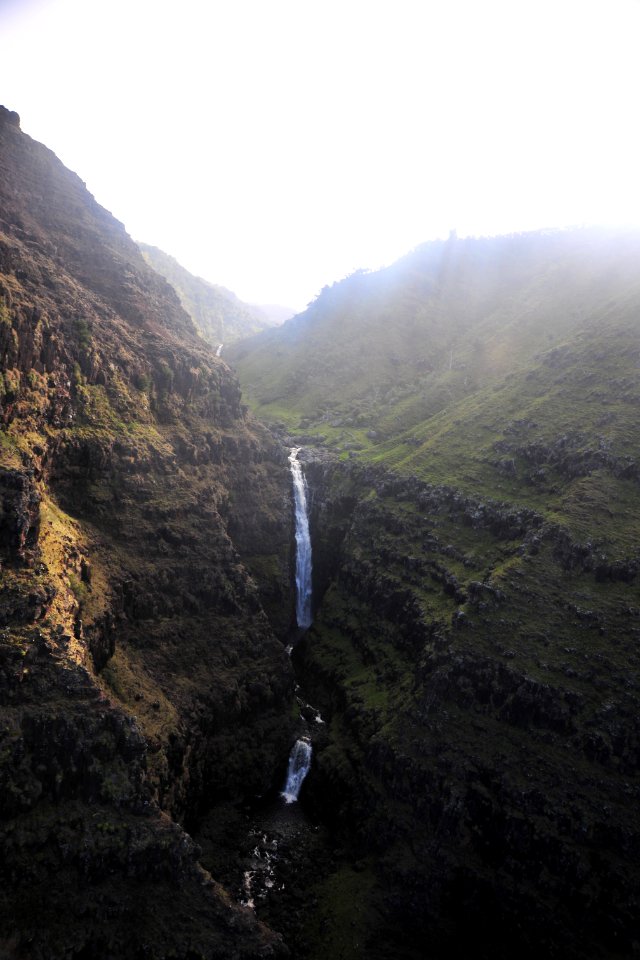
(479, 674)
(143, 524)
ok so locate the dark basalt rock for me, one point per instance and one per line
(20, 518)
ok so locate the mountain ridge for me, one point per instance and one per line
(219, 315)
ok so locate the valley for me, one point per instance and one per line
(392, 543)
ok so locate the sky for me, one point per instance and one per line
(274, 146)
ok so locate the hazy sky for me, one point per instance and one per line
(274, 146)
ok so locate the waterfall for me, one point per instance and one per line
(299, 763)
(303, 543)
(219, 350)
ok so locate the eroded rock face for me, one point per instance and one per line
(142, 523)
(481, 748)
(20, 517)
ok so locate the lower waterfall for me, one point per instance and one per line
(299, 764)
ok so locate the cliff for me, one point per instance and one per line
(143, 525)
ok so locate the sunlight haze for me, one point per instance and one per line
(276, 147)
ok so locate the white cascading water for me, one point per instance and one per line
(219, 350)
(303, 543)
(299, 764)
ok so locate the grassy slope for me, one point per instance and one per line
(387, 350)
(495, 366)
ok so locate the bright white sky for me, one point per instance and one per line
(274, 146)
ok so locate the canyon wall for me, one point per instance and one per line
(478, 674)
(146, 525)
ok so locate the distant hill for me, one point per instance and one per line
(219, 315)
(274, 313)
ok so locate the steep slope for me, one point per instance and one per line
(141, 681)
(219, 315)
(476, 554)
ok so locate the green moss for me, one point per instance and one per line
(9, 449)
(10, 382)
(143, 382)
(82, 329)
(5, 312)
(79, 589)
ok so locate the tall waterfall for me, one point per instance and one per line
(303, 543)
(299, 764)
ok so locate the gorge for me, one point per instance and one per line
(456, 439)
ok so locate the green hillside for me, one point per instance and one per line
(386, 351)
(220, 316)
(504, 367)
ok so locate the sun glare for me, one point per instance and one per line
(275, 147)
